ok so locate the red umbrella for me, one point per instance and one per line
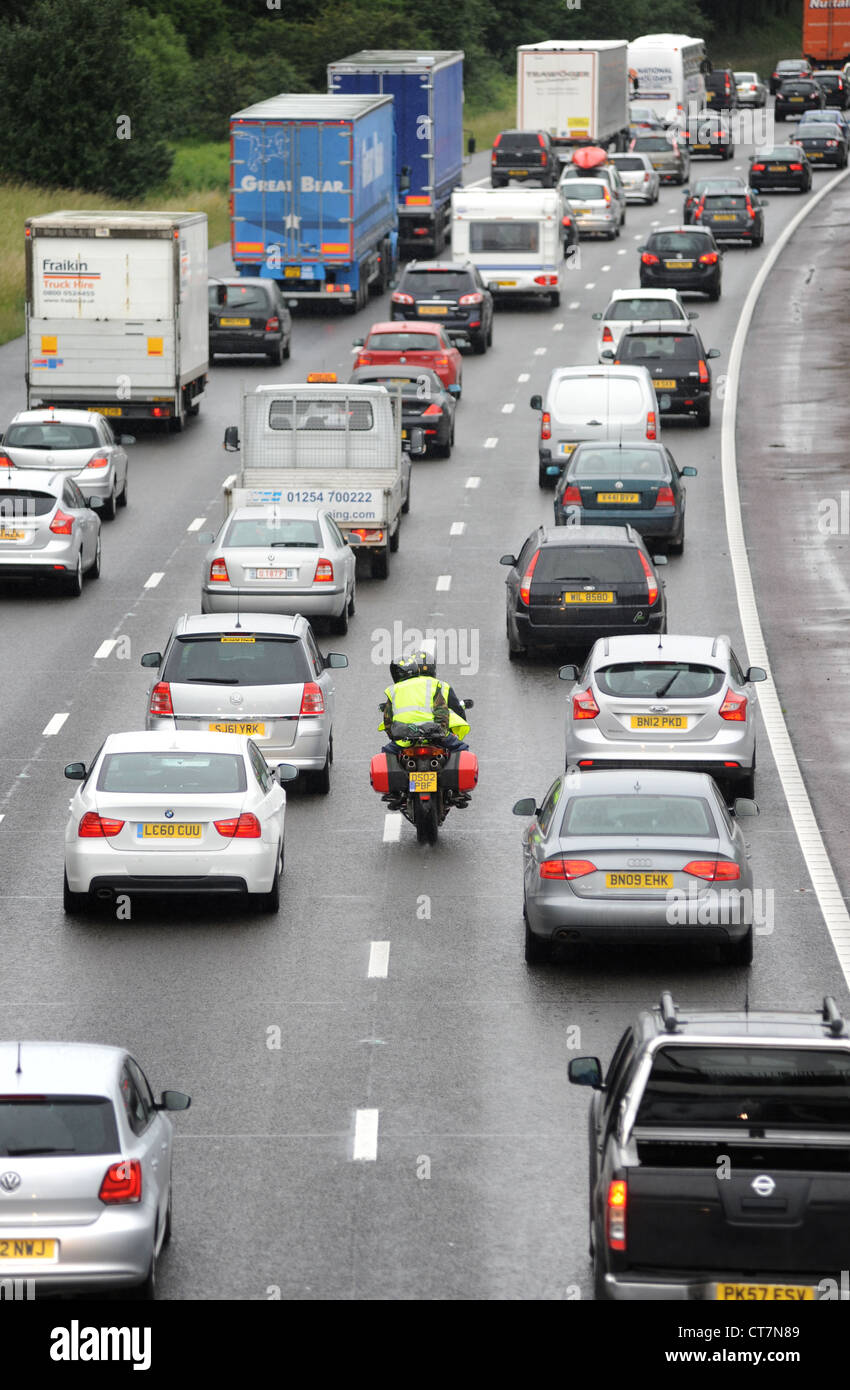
(590, 157)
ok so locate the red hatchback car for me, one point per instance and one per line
(414, 344)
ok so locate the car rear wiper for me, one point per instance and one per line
(296, 545)
(666, 686)
(209, 680)
(31, 1153)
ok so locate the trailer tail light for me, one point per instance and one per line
(651, 432)
(546, 425)
(92, 826)
(399, 297)
(99, 461)
(704, 378)
(525, 586)
(545, 279)
(62, 524)
(651, 581)
(584, 705)
(244, 827)
(218, 571)
(734, 707)
(648, 258)
(324, 572)
(566, 868)
(664, 497)
(161, 699)
(713, 870)
(312, 701)
(615, 1225)
(122, 1182)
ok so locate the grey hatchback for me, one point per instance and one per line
(48, 529)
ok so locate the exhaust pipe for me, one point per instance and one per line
(436, 762)
(104, 895)
(410, 764)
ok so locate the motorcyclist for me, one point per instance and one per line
(415, 698)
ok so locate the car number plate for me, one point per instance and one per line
(235, 323)
(796, 98)
(765, 1293)
(679, 265)
(638, 880)
(106, 409)
(276, 574)
(815, 154)
(597, 596)
(422, 782)
(433, 309)
(179, 830)
(12, 535)
(231, 726)
(618, 497)
(665, 383)
(659, 721)
(404, 434)
(584, 212)
(504, 284)
(514, 172)
(27, 1249)
(291, 272)
(565, 449)
(724, 217)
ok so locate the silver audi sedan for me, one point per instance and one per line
(281, 560)
(636, 857)
(48, 529)
(85, 1168)
(77, 442)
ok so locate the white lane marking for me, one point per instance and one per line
(621, 252)
(606, 267)
(638, 237)
(379, 960)
(509, 408)
(490, 443)
(803, 818)
(591, 285)
(3, 817)
(474, 482)
(444, 583)
(392, 827)
(105, 648)
(557, 327)
(575, 304)
(457, 528)
(365, 1135)
(539, 352)
(54, 725)
(196, 524)
(524, 376)
(154, 579)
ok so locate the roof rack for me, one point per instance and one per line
(668, 1012)
(831, 1016)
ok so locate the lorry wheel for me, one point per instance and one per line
(381, 564)
(395, 538)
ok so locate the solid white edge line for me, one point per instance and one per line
(379, 960)
(365, 1135)
(803, 818)
(105, 648)
(54, 725)
(152, 581)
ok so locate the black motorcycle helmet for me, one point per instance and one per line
(427, 658)
(404, 669)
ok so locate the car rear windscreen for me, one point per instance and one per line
(652, 680)
(596, 397)
(651, 346)
(622, 310)
(654, 143)
(251, 298)
(748, 1087)
(630, 162)
(795, 89)
(228, 659)
(172, 773)
(24, 502)
(51, 436)
(689, 244)
(580, 192)
(274, 532)
(618, 463)
(779, 154)
(504, 236)
(519, 140)
(820, 131)
(38, 1126)
(308, 413)
(403, 342)
(430, 283)
(600, 565)
(644, 814)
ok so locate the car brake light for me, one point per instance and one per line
(566, 868)
(752, 86)
(699, 211)
(831, 144)
(272, 324)
(664, 497)
(566, 221)
(650, 425)
(5, 461)
(525, 586)
(218, 571)
(399, 297)
(798, 168)
(99, 461)
(541, 142)
(312, 701)
(572, 495)
(584, 705)
(710, 258)
(606, 195)
(441, 361)
(546, 425)
(758, 168)
(433, 410)
(648, 259)
(646, 176)
(475, 298)
(496, 142)
(651, 581)
(324, 572)
(62, 524)
(704, 377)
(618, 1192)
(750, 209)
(734, 707)
(122, 1182)
(92, 826)
(161, 699)
(244, 827)
(714, 870)
(607, 335)
(363, 359)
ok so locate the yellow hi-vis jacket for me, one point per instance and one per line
(412, 702)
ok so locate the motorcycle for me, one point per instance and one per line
(425, 780)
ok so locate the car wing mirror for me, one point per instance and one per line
(527, 806)
(687, 472)
(75, 772)
(151, 659)
(568, 673)
(536, 402)
(467, 704)
(585, 1071)
(231, 438)
(713, 352)
(743, 806)
(126, 439)
(95, 503)
(173, 1100)
(205, 537)
(596, 316)
(285, 772)
(507, 559)
(755, 673)
(336, 661)
(659, 559)
(692, 314)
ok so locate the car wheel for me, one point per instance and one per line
(321, 781)
(93, 572)
(676, 547)
(714, 294)
(746, 786)
(442, 451)
(600, 1293)
(287, 348)
(169, 1216)
(515, 651)
(122, 496)
(537, 952)
(339, 624)
(73, 583)
(479, 343)
(490, 334)
(110, 505)
(351, 602)
(739, 952)
(704, 416)
(73, 903)
(758, 240)
(276, 355)
(270, 902)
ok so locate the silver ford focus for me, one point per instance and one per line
(77, 442)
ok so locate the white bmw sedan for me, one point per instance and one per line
(185, 813)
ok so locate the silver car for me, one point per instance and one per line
(640, 180)
(85, 1189)
(686, 703)
(668, 154)
(281, 560)
(750, 88)
(77, 442)
(260, 674)
(48, 529)
(184, 813)
(596, 208)
(620, 857)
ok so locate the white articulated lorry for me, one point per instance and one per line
(577, 92)
(336, 445)
(117, 314)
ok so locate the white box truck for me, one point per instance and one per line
(578, 92)
(336, 445)
(117, 316)
(515, 237)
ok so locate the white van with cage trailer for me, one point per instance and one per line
(515, 238)
(337, 446)
(670, 71)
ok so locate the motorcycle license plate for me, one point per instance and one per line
(422, 782)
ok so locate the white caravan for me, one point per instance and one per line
(515, 238)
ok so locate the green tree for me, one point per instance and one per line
(172, 72)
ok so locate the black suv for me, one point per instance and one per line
(249, 315)
(678, 364)
(788, 67)
(721, 89)
(797, 95)
(570, 585)
(834, 87)
(524, 154)
(682, 258)
(719, 1145)
(451, 293)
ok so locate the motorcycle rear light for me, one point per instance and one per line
(218, 571)
(649, 259)
(62, 524)
(704, 378)
(618, 1192)
(651, 432)
(161, 699)
(272, 324)
(93, 827)
(584, 705)
(566, 869)
(324, 572)
(734, 707)
(99, 461)
(651, 581)
(525, 586)
(710, 258)
(312, 701)
(244, 827)
(476, 298)
(122, 1182)
(713, 870)
(664, 497)
(399, 297)
(546, 425)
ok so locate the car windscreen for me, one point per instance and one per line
(689, 243)
(579, 191)
(618, 463)
(639, 346)
(650, 680)
(41, 1125)
(654, 143)
(643, 309)
(274, 532)
(830, 79)
(504, 236)
(53, 436)
(597, 396)
(403, 342)
(745, 1087)
(428, 283)
(633, 814)
(172, 773)
(631, 162)
(601, 565)
(309, 413)
(24, 502)
(251, 298)
(237, 659)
